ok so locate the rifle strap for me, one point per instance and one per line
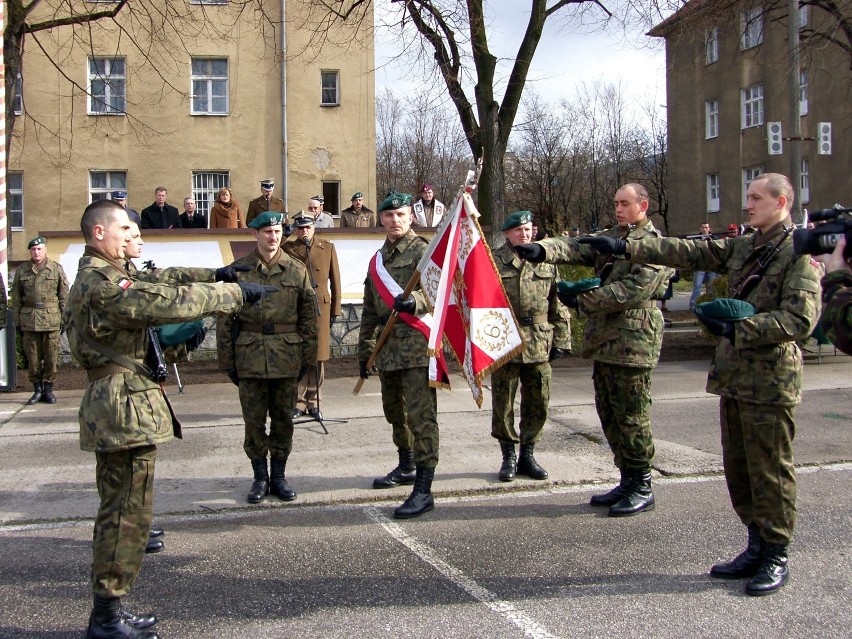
(122, 360)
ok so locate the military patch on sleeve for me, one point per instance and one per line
(124, 283)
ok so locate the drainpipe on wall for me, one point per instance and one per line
(284, 191)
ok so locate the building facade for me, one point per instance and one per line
(214, 95)
(729, 107)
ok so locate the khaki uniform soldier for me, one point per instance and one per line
(546, 331)
(357, 215)
(38, 300)
(757, 368)
(124, 413)
(265, 350)
(410, 404)
(266, 202)
(325, 278)
(836, 317)
(623, 336)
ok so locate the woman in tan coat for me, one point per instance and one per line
(226, 212)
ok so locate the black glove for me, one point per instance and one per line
(196, 340)
(232, 375)
(404, 304)
(253, 293)
(555, 353)
(530, 252)
(229, 273)
(303, 369)
(721, 328)
(568, 299)
(287, 230)
(364, 373)
(605, 245)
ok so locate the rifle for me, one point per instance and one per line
(751, 278)
(155, 360)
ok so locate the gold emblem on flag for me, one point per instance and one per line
(492, 331)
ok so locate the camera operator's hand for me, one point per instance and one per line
(720, 328)
(836, 261)
(555, 353)
(363, 372)
(196, 340)
(253, 293)
(530, 252)
(605, 245)
(404, 304)
(229, 273)
(232, 375)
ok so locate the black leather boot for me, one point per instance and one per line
(38, 391)
(48, 397)
(772, 572)
(154, 546)
(278, 484)
(746, 563)
(420, 500)
(510, 462)
(613, 496)
(107, 622)
(638, 495)
(402, 475)
(260, 487)
(140, 622)
(527, 465)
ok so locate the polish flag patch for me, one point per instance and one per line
(125, 284)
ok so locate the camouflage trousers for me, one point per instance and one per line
(534, 380)
(623, 402)
(310, 388)
(42, 352)
(757, 453)
(275, 397)
(411, 407)
(125, 481)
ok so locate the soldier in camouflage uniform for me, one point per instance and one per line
(546, 331)
(38, 300)
(265, 350)
(410, 404)
(836, 317)
(623, 336)
(124, 414)
(757, 369)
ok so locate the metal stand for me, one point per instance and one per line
(179, 383)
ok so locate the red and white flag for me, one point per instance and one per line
(461, 282)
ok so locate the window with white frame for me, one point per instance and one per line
(751, 28)
(330, 88)
(209, 86)
(102, 183)
(19, 95)
(803, 92)
(711, 119)
(804, 15)
(711, 46)
(205, 186)
(749, 175)
(15, 210)
(712, 192)
(752, 106)
(107, 86)
(805, 182)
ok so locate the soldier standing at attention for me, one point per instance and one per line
(265, 350)
(266, 202)
(757, 368)
(546, 331)
(124, 413)
(357, 215)
(325, 275)
(410, 404)
(39, 291)
(623, 336)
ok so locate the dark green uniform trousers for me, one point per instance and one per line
(42, 351)
(125, 482)
(757, 452)
(534, 380)
(411, 407)
(275, 397)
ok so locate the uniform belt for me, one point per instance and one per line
(107, 369)
(268, 329)
(531, 320)
(43, 305)
(648, 304)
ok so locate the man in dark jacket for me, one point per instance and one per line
(190, 218)
(161, 215)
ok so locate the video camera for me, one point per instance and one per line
(823, 237)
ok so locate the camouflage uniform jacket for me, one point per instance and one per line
(263, 204)
(125, 410)
(837, 309)
(531, 289)
(38, 296)
(406, 347)
(763, 365)
(291, 312)
(624, 325)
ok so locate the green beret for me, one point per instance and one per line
(516, 219)
(725, 308)
(580, 286)
(395, 200)
(357, 196)
(269, 218)
(172, 334)
(36, 241)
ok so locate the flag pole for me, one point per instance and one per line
(467, 187)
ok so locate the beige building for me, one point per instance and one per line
(728, 81)
(202, 103)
